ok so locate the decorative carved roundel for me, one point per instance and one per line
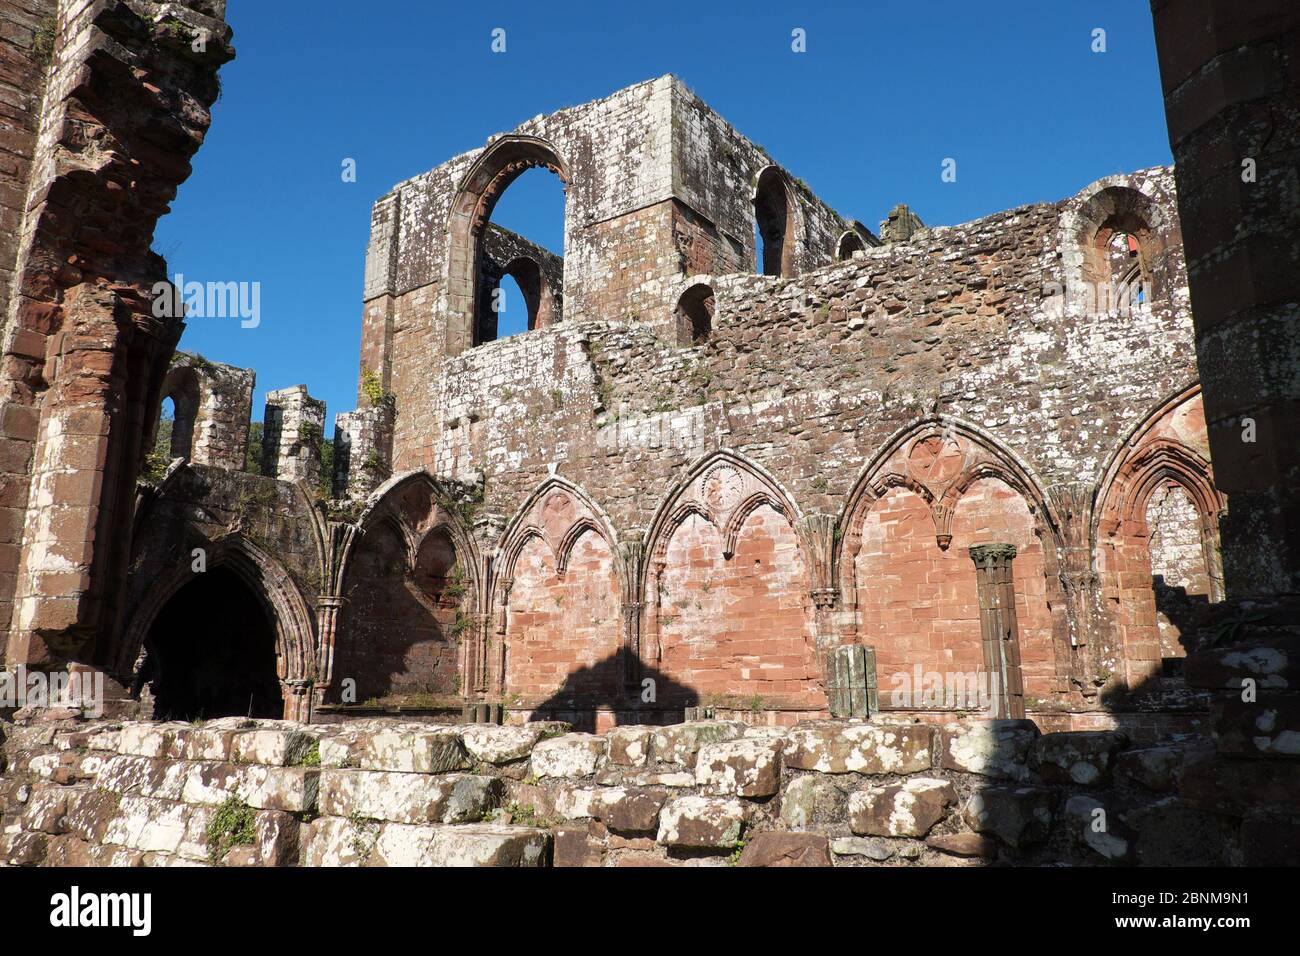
(935, 459)
(722, 488)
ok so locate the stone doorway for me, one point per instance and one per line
(212, 652)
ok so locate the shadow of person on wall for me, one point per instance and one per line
(650, 697)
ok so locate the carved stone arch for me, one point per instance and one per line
(570, 540)
(418, 503)
(273, 586)
(848, 245)
(736, 520)
(1140, 450)
(894, 466)
(1114, 205)
(181, 384)
(561, 541)
(779, 219)
(711, 477)
(487, 178)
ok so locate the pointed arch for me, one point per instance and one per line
(264, 576)
(779, 222)
(718, 504)
(587, 516)
(966, 454)
(495, 168)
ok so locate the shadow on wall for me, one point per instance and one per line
(654, 699)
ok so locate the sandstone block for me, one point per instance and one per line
(433, 750)
(572, 755)
(786, 849)
(906, 809)
(489, 844)
(874, 849)
(993, 748)
(811, 799)
(702, 822)
(679, 743)
(1084, 757)
(272, 747)
(408, 798)
(630, 746)
(747, 767)
(834, 747)
(1154, 768)
(1098, 828)
(496, 744)
(1017, 816)
(964, 844)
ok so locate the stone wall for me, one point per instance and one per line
(213, 403)
(238, 792)
(123, 89)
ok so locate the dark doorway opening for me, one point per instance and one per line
(212, 652)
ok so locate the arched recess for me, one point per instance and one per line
(1156, 535)
(411, 587)
(695, 314)
(937, 488)
(728, 589)
(503, 161)
(290, 619)
(1119, 237)
(849, 245)
(181, 385)
(539, 297)
(559, 593)
(776, 217)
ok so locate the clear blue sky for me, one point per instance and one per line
(886, 91)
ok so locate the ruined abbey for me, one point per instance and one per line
(754, 466)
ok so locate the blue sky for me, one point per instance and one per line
(885, 92)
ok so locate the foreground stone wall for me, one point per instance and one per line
(238, 792)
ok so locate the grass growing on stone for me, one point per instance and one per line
(311, 756)
(232, 825)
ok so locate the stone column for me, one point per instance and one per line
(997, 598)
(328, 607)
(363, 450)
(633, 554)
(292, 431)
(1232, 105)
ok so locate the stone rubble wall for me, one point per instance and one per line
(292, 433)
(238, 792)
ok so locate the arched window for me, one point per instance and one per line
(695, 314)
(521, 295)
(178, 410)
(774, 224)
(1121, 250)
(849, 246)
(484, 238)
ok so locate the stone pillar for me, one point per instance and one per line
(291, 435)
(363, 450)
(1232, 104)
(633, 554)
(998, 628)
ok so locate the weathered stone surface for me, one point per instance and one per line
(408, 798)
(573, 846)
(487, 844)
(497, 744)
(702, 822)
(1154, 768)
(786, 849)
(964, 844)
(748, 767)
(1084, 757)
(438, 750)
(273, 747)
(832, 747)
(1271, 665)
(811, 799)
(679, 743)
(1172, 832)
(993, 748)
(1017, 816)
(572, 755)
(631, 809)
(1268, 726)
(908, 809)
(630, 746)
(1099, 828)
(874, 849)
(1233, 786)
